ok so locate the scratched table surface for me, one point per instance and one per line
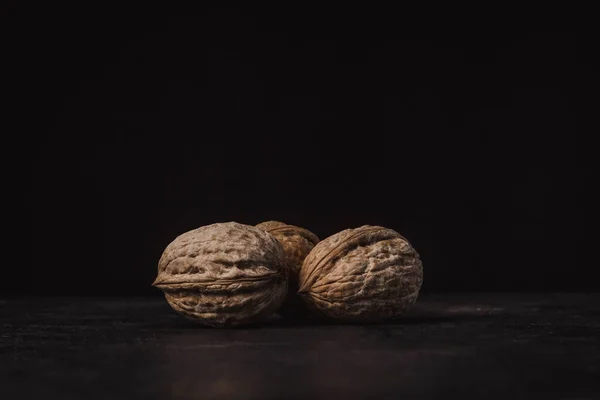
(503, 346)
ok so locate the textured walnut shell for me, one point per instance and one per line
(224, 274)
(297, 242)
(365, 274)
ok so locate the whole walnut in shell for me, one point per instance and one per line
(370, 273)
(224, 274)
(297, 242)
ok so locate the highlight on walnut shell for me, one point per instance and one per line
(224, 274)
(366, 274)
(297, 242)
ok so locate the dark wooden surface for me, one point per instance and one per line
(502, 346)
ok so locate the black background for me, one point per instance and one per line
(461, 137)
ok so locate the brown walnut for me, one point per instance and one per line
(297, 242)
(370, 273)
(224, 274)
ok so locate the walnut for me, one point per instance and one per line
(370, 273)
(224, 274)
(297, 243)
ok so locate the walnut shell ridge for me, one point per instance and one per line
(224, 274)
(297, 242)
(366, 274)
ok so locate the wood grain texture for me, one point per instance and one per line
(501, 346)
